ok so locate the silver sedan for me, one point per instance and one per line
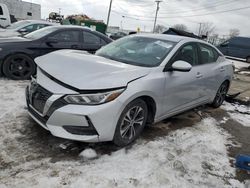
(134, 81)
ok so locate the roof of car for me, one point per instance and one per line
(39, 21)
(71, 26)
(173, 38)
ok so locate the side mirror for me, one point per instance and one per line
(181, 66)
(23, 30)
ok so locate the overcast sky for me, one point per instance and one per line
(140, 13)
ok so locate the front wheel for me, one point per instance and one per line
(131, 123)
(19, 67)
(220, 95)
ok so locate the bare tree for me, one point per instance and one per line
(180, 27)
(234, 32)
(160, 28)
(206, 29)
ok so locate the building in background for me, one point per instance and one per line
(23, 10)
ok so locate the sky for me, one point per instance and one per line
(131, 14)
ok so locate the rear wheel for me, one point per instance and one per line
(19, 67)
(220, 95)
(131, 123)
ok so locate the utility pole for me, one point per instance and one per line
(156, 12)
(110, 5)
(199, 34)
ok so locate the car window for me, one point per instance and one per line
(207, 54)
(187, 53)
(67, 36)
(34, 27)
(41, 33)
(40, 26)
(18, 24)
(139, 51)
(103, 42)
(90, 38)
(29, 28)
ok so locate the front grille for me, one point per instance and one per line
(38, 96)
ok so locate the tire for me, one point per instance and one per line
(19, 67)
(220, 95)
(248, 59)
(130, 126)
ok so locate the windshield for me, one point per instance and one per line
(41, 33)
(136, 50)
(17, 24)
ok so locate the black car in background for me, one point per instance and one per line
(17, 54)
(238, 47)
(117, 35)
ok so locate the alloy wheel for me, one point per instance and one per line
(132, 122)
(221, 94)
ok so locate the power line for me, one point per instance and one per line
(137, 17)
(214, 4)
(199, 9)
(211, 13)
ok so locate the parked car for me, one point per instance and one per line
(238, 47)
(4, 16)
(139, 79)
(117, 35)
(23, 27)
(17, 54)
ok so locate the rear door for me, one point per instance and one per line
(92, 42)
(213, 72)
(64, 39)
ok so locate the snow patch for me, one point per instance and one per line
(88, 154)
(239, 113)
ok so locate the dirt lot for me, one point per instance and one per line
(194, 149)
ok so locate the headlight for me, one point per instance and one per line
(93, 99)
(1, 49)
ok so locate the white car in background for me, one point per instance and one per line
(135, 80)
(23, 27)
(4, 15)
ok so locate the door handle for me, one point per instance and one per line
(3, 18)
(199, 75)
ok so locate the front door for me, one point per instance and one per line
(184, 89)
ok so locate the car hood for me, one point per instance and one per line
(8, 33)
(13, 39)
(89, 72)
